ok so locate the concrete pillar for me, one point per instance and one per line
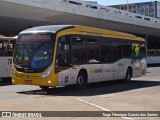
(147, 44)
(146, 41)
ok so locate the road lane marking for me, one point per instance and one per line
(102, 108)
(99, 107)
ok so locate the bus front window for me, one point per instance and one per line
(42, 55)
(34, 52)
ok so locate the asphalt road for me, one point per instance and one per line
(142, 94)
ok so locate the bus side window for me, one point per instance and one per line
(93, 50)
(10, 48)
(1, 47)
(117, 50)
(78, 50)
(6, 48)
(127, 49)
(142, 50)
(63, 52)
(106, 54)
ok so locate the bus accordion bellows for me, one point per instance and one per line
(61, 55)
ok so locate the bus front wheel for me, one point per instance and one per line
(81, 81)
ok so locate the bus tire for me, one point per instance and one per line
(81, 82)
(128, 75)
(44, 87)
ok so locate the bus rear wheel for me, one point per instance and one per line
(44, 87)
(128, 75)
(81, 81)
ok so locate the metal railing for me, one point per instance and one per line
(110, 9)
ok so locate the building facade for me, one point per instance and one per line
(151, 9)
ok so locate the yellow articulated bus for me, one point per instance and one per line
(61, 55)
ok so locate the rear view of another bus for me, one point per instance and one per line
(153, 56)
(6, 53)
(153, 52)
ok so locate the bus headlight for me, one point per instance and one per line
(47, 73)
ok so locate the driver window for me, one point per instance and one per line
(63, 52)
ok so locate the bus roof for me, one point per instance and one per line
(47, 29)
(109, 33)
(97, 31)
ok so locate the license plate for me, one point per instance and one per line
(28, 82)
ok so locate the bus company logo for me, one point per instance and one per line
(98, 70)
(95, 70)
(91, 70)
(6, 114)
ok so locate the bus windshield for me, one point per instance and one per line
(34, 52)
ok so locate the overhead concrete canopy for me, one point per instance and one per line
(17, 15)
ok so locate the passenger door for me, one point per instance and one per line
(63, 62)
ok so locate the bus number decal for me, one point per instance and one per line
(9, 61)
(66, 79)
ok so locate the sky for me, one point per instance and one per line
(115, 2)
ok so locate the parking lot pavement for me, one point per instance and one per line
(142, 94)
